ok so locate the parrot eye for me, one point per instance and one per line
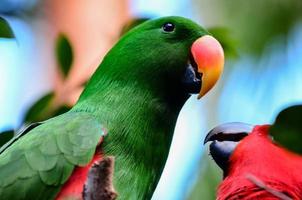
(168, 27)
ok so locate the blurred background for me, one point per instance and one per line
(52, 48)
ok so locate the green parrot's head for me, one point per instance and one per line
(172, 55)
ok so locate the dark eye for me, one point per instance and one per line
(168, 27)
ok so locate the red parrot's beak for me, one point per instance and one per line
(209, 57)
(224, 139)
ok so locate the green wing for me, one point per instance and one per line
(36, 165)
(7, 143)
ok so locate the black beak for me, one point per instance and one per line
(192, 78)
(224, 139)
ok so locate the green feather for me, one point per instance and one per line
(46, 156)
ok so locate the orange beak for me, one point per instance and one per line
(209, 57)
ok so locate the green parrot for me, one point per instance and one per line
(114, 142)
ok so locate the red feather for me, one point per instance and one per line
(257, 156)
(73, 188)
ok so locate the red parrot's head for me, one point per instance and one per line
(254, 166)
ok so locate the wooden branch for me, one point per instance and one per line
(99, 182)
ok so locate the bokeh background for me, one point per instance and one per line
(263, 71)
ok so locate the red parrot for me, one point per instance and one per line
(254, 165)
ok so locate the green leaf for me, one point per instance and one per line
(40, 110)
(5, 30)
(61, 110)
(44, 109)
(226, 39)
(287, 129)
(5, 136)
(64, 54)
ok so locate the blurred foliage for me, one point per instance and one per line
(287, 129)
(39, 109)
(208, 180)
(22, 9)
(5, 136)
(44, 109)
(253, 23)
(226, 39)
(48, 105)
(64, 54)
(132, 23)
(5, 30)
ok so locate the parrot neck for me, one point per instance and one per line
(140, 125)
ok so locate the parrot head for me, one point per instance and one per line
(170, 55)
(254, 166)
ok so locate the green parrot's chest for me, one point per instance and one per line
(139, 132)
(138, 161)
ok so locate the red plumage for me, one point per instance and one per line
(258, 156)
(73, 188)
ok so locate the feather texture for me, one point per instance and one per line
(36, 166)
(258, 156)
